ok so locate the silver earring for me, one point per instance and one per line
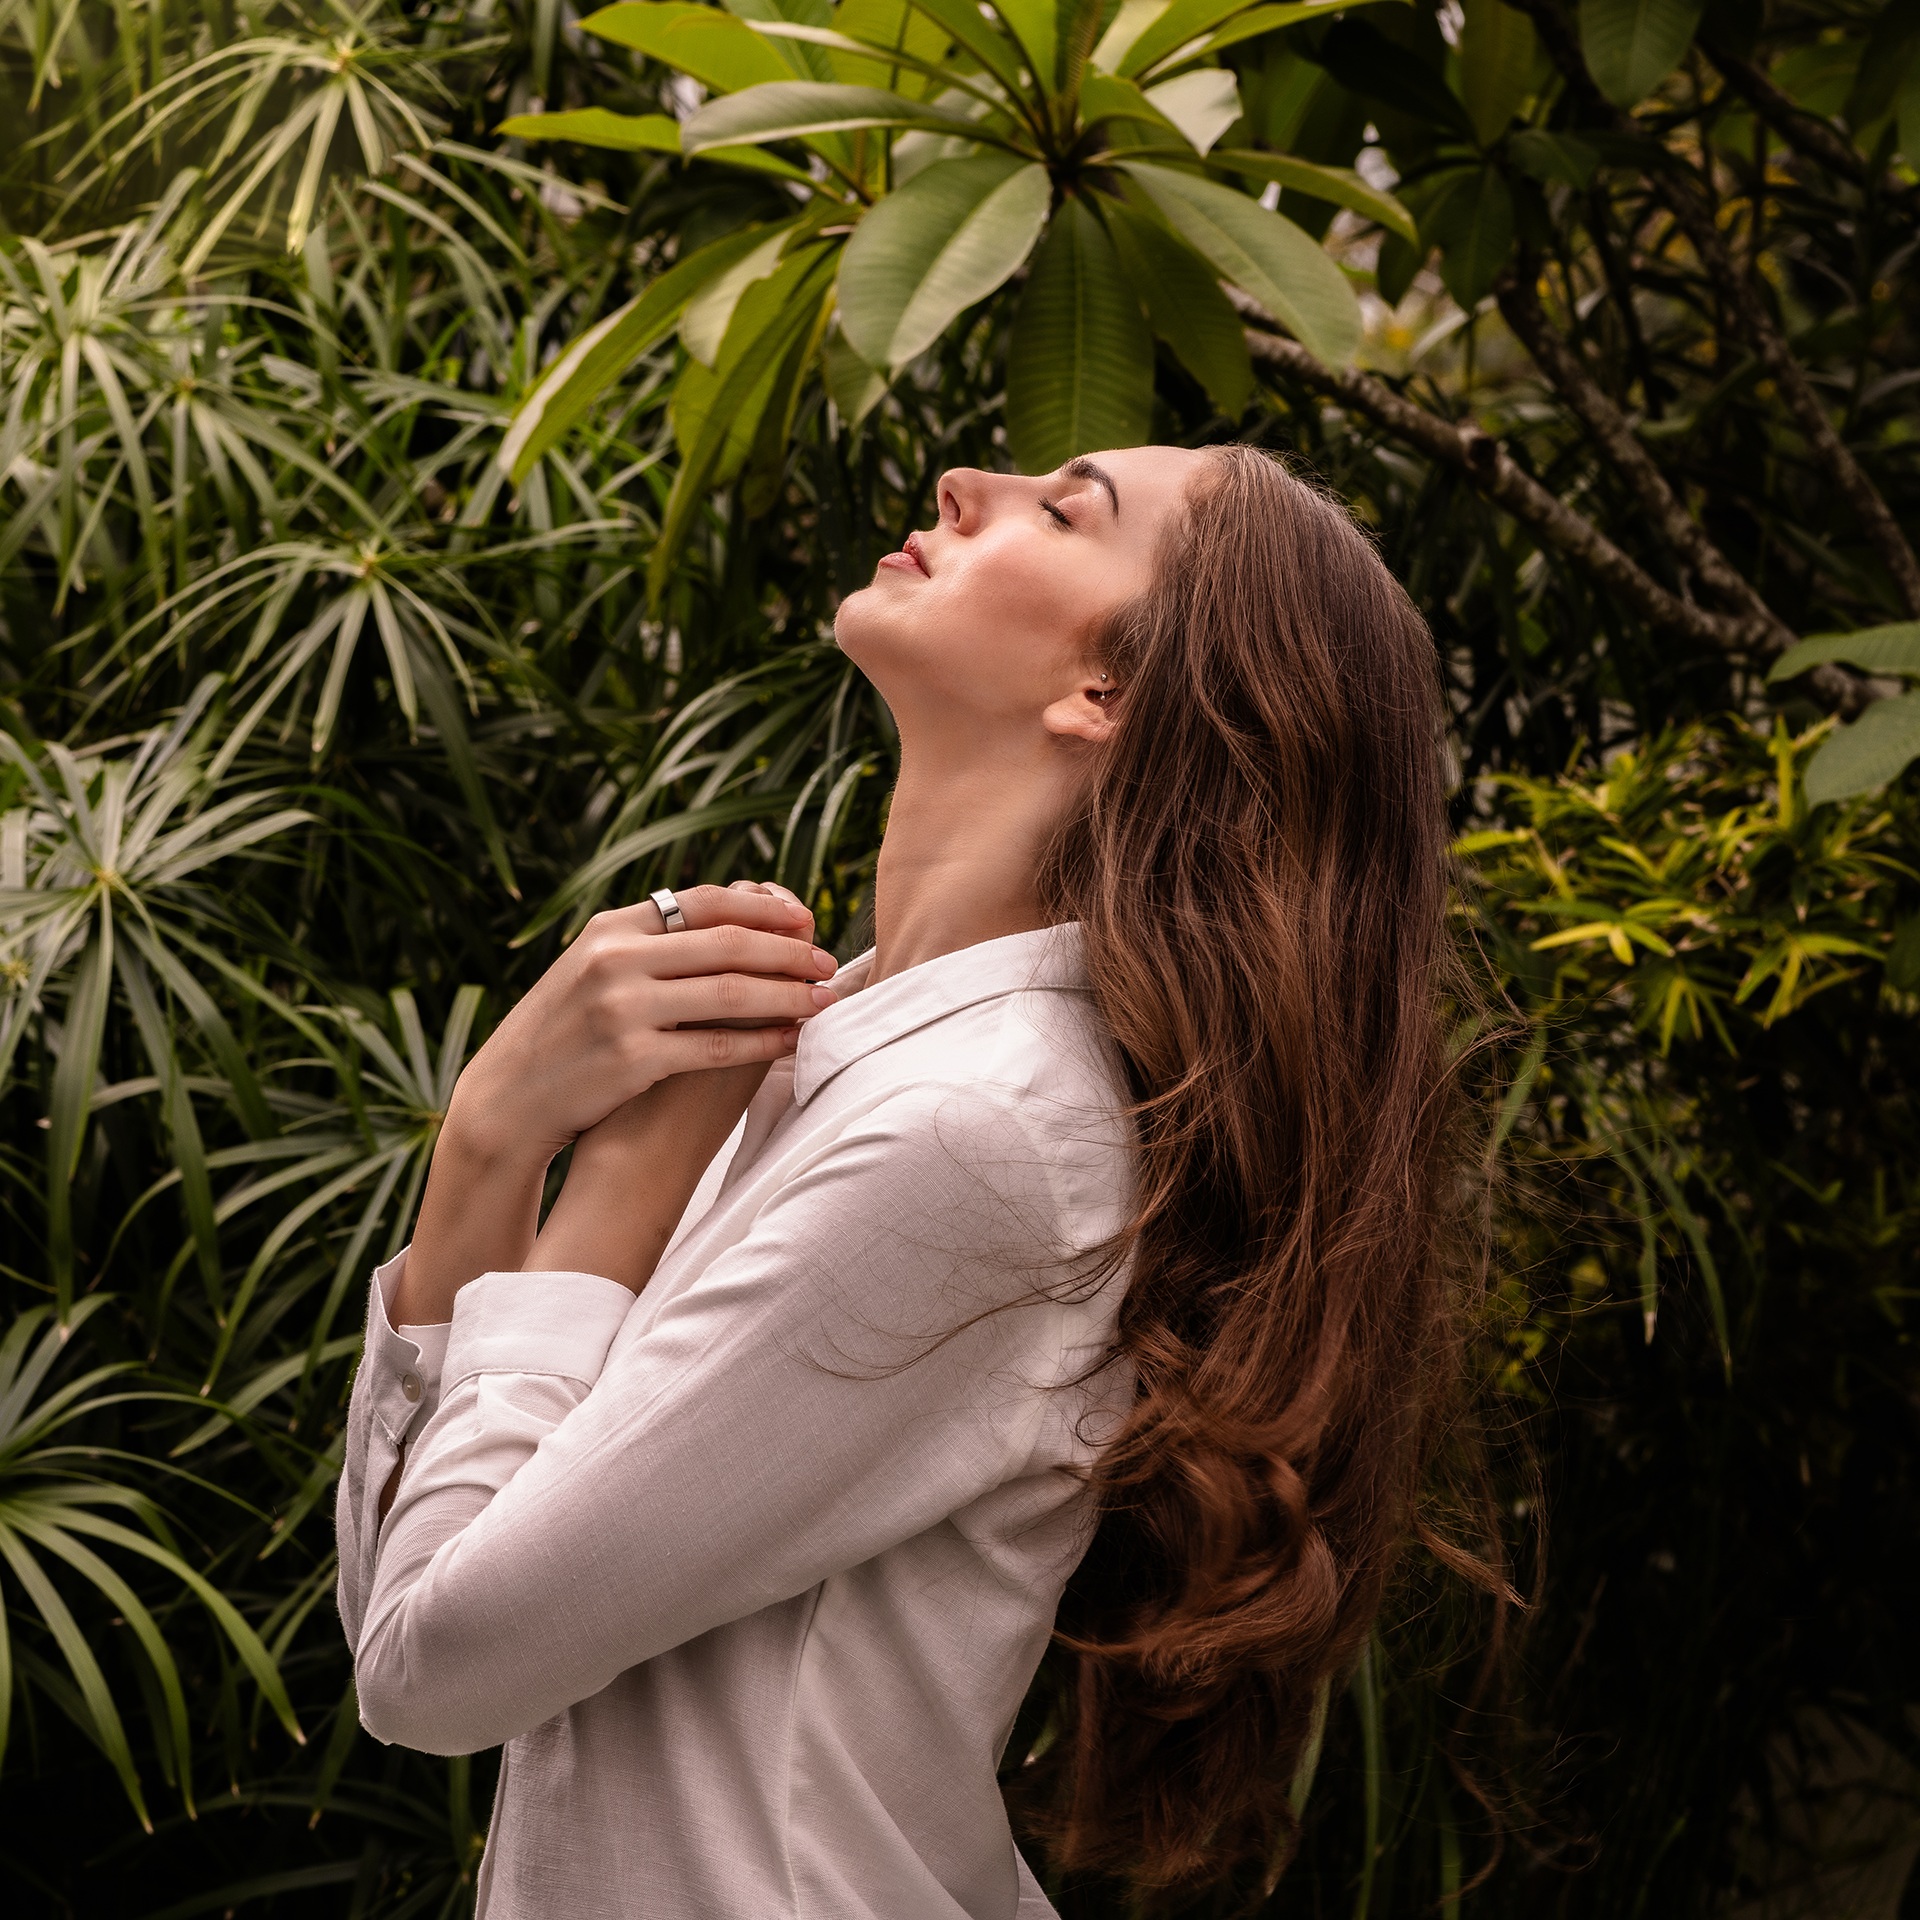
(1103, 676)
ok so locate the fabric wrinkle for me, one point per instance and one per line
(750, 1573)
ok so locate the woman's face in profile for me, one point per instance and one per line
(995, 606)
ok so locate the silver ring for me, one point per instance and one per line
(662, 898)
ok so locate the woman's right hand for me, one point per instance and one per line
(613, 1015)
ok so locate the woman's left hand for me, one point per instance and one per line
(627, 1006)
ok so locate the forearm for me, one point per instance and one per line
(479, 1215)
(632, 1176)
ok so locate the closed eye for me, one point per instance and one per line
(1047, 506)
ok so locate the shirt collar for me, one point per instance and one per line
(867, 1018)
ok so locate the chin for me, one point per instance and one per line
(858, 623)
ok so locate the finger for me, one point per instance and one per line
(707, 1049)
(786, 893)
(750, 904)
(778, 910)
(734, 949)
(740, 996)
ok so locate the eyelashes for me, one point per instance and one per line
(1047, 506)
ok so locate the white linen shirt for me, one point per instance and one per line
(751, 1571)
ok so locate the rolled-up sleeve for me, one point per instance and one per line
(395, 1393)
(844, 1377)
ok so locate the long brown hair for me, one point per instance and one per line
(1261, 872)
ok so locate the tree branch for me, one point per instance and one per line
(1520, 304)
(1806, 133)
(1696, 219)
(1469, 450)
(1790, 380)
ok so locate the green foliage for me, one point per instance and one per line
(1632, 45)
(51, 1501)
(1886, 738)
(994, 139)
(1715, 1180)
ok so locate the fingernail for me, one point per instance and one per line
(789, 1038)
(824, 997)
(825, 961)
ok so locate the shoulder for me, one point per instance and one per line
(1006, 1115)
(1036, 1064)
(992, 1060)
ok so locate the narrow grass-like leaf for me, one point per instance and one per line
(246, 1643)
(89, 1565)
(105, 1716)
(67, 1108)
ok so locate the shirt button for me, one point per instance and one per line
(410, 1385)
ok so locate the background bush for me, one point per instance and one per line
(322, 735)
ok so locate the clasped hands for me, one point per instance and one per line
(640, 1048)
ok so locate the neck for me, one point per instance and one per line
(959, 859)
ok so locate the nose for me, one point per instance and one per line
(961, 495)
(967, 496)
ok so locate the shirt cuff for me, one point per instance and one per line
(560, 1323)
(404, 1365)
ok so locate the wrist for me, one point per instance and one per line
(479, 1142)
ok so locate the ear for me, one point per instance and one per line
(1082, 714)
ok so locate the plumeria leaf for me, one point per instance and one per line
(1081, 367)
(1263, 254)
(933, 248)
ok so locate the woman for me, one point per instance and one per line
(1105, 1190)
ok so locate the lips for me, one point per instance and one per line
(910, 558)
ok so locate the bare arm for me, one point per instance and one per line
(625, 1009)
(634, 1173)
(631, 1178)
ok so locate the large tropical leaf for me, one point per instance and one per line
(1632, 45)
(1146, 36)
(1104, 97)
(884, 43)
(1340, 185)
(1202, 102)
(1264, 254)
(608, 348)
(706, 43)
(1887, 649)
(1080, 367)
(717, 414)
(971, 30)
(932, 248)
(1497, 57)
(1874, 749)
(1034, 26)
(791, 109)
(1471, 222)
(703, 326)
(1184, 304)
(638, 133)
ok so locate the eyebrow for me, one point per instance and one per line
(1085, 469)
